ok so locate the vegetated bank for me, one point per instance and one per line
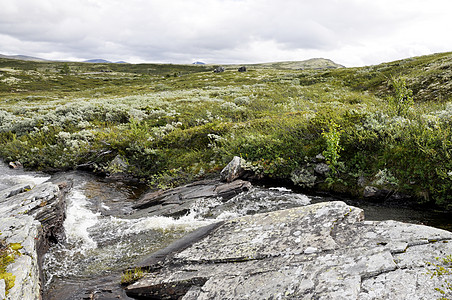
(380, 131)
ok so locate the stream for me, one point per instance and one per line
(103, 238)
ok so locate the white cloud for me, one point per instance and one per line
(351, 32)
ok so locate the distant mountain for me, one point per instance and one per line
(103, 61)
(97, 61)
(199, 63)
(313, 63)
(22, 57)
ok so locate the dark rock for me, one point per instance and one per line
(157, 259)
(361, 181)
(233, 170)
(219, 70)
(375, 193)
(320, 251)
(178, 201)
(242, 69)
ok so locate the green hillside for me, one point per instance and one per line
(386, 126)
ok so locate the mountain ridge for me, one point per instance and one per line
(312, 63)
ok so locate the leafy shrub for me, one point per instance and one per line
(402, 100)
(332, 139)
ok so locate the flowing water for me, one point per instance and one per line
(102, 239)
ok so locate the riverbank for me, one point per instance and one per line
(379, 130)
(110, 236)
(32, 212)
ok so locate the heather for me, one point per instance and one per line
(387, 126)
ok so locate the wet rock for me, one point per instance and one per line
(233, 170)
(178, 201)
(375, 193)
(321, 251)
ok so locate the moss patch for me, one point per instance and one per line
(8, 254)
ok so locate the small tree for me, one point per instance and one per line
(402, 100)
(65, 70)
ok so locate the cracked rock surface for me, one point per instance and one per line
(320, 251)
(31, 217)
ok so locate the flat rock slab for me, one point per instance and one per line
(178, 201)
(319, 251)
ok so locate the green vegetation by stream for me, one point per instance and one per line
(387, 125)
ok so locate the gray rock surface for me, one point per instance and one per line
(322, 169)
(178, 201)
(319, 251)
(233, 170)
(30, 215)
(2, 289)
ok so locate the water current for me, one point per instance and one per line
(102, 239)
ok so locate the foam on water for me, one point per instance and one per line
(79, 218)
(97, 244)
(10, 177)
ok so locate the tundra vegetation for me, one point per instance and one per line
(387, 125)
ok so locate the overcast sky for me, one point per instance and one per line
(350, 32)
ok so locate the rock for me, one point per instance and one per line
(15, 165)
(320, 251)
(304, 178)
(219, 70)
(322, 169)
(25, 231)
(233, 170)
(320, 158)
(375, 193)
(361, 181)
(2, 289)
(31, 217)
(242, 69)
(178, 201)
(117, 165)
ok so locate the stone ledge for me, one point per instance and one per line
(320, 251)
(31, 217)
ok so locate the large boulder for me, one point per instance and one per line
(321, 251)
(233, 170)
(219, 70)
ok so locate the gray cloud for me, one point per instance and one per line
(352, 32)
